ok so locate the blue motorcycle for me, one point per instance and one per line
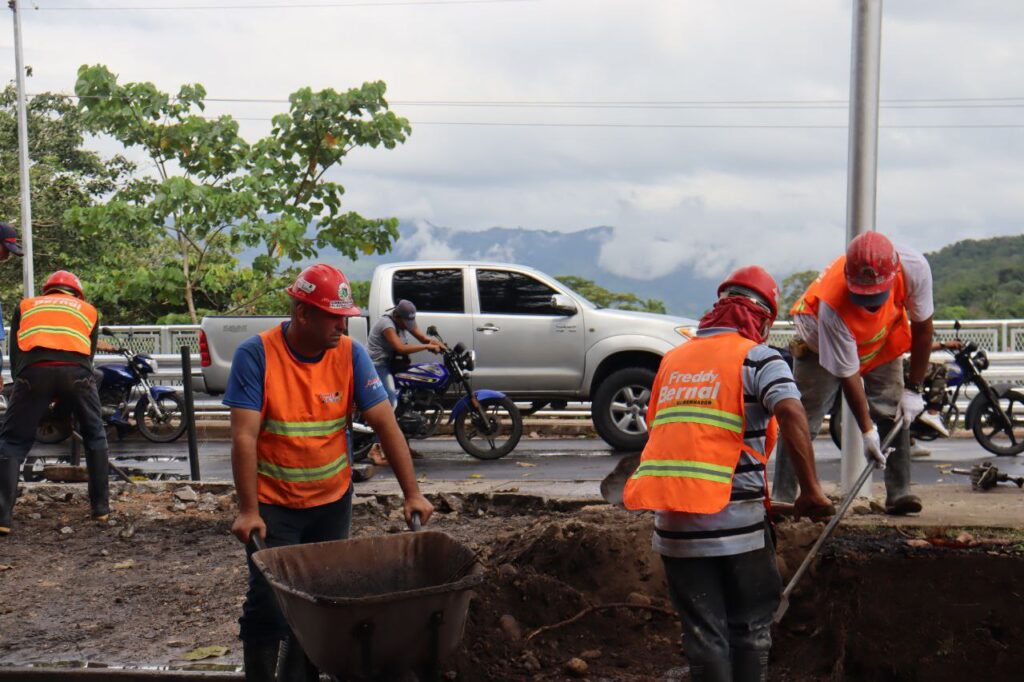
(488, 424)
(159, 411)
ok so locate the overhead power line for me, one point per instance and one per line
(293, 5)
(943, 103)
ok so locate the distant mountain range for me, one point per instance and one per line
(555, 253)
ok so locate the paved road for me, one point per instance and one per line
(567, 459)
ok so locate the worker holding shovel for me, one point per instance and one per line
(712, 420)
(292, 392)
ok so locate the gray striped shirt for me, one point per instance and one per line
(739, 527)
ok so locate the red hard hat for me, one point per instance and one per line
(755, 280)
(325, 287)
(64, 279)
(871, 264)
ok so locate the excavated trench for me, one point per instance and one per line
(165, 577)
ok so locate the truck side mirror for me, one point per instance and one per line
(563, 304)
(106, 331)
(956, 325)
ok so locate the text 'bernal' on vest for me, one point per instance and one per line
(707, 391)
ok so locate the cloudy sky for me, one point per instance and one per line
(634, 82)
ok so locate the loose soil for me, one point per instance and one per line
(165, 576)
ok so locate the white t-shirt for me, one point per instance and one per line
(829, 336)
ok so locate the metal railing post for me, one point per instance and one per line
(190, 413)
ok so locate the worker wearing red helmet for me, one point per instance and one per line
(854, 324)
(292, 392)
(53, 341)
(713, 414)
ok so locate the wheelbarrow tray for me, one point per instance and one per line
(374, 607)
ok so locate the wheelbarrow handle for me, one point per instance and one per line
(256, 541)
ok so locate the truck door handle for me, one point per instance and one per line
(488, 328)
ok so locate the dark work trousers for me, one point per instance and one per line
(34, 389)
(261, 619)
(726, 604)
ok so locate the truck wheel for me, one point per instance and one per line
(619, 408)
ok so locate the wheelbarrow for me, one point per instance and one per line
(375, 608)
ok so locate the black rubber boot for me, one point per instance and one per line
(293, 665)
(99, 483)
(8, 491)
(749, 666)
(711, 671)
(260, 660)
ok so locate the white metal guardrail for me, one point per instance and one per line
(1002, 339)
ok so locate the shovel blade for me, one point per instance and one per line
(614, 484)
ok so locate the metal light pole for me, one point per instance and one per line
(28, 274)
(862, 173)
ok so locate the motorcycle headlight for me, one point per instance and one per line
(981, 360)
(469, 361)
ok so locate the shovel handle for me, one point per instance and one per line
(840, 513)
(416, 522)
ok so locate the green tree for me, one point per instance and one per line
(63, 176)
(793, 287)
(597, 294)
(214, 193)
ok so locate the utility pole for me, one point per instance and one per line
(28, 273)
(862, 175)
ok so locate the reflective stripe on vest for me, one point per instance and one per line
(696, 419)
(700, 415)
(56, 322)
(882, 335)
(302, 448)
(319, 473)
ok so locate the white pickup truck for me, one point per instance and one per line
(534, 338)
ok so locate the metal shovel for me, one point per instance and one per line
(830, 528)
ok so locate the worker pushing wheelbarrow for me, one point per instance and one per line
(292, 392)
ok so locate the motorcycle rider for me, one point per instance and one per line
(54, 340)
(852, 331)
(292, 392)
(388, 342)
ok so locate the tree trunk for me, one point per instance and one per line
(186, 270)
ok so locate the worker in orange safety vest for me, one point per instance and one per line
(853, 325)
(292, 393)
(717, 405)
(53, 341)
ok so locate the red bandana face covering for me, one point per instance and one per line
(743, 315)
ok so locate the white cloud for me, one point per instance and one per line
(700, 198)
(425, 245)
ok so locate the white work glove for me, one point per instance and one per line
(873, 448)
(911, 406)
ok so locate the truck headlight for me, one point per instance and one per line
(688, 332)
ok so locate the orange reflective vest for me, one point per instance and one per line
(696, 422)
(302, 449)
(57, 322)
(882, 336)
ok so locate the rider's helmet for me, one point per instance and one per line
(755, 283)
(326, 288)
(871, 267)
(62, 280)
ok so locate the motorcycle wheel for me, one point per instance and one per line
(991, 434)
(170, 427)
(361, 444)
(52, 430)
(498, 437)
